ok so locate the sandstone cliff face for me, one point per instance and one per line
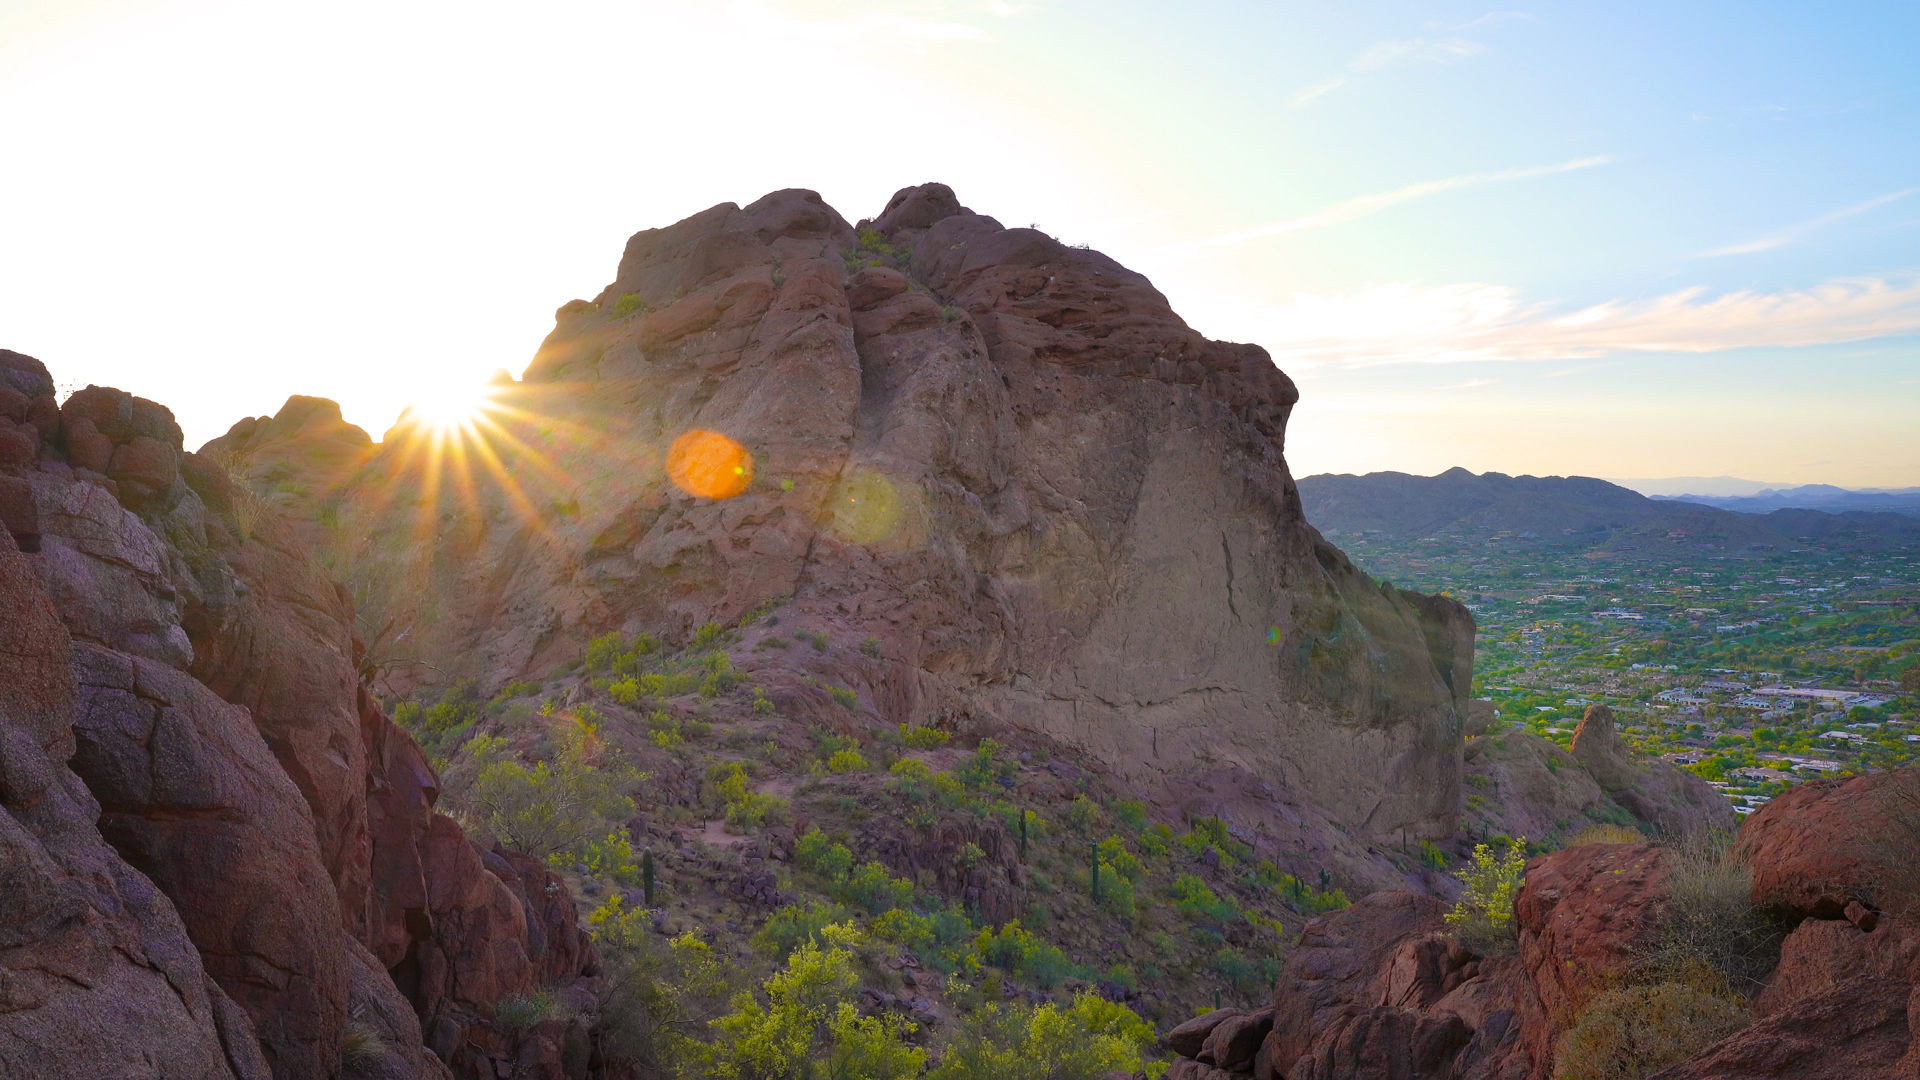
(194, 883)
(1053, 505)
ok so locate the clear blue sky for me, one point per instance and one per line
(1612, 239)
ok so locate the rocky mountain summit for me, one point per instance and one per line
(1006, 497)
(1051, 504)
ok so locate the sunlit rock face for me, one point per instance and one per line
(1052, 505)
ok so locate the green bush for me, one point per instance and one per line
(747, 809)
(1482, 920)
(554, 806)
(844, 696)
(614, 654)
(1196, 901)
(795, 924)
(1017, 952)
(1632, 1032)
(1250, 977)
(1085, 1040)
(629, 304)
(808, 1027)
(1081, 814)
(923, 738)
(1431, 856)
(1131, 815)
(816, 853)
(985, 768)
(846, 761)
(1709, 921)
(870, 887)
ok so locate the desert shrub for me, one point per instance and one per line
(870, 887)
(721, 678)
(1482, 920)
(1114, 855)
(808, 1026)
(614, 654)
(1196, 901)
(656, 997)
(1606, 833)
(794, 924)
(1132, 816)
(608, 857)
(844, 696)
(1116, 893)
(746, 809)
(1308, 900)
(1016, 951)
(554, 806)
(361, 1048)
(1890, 849)
(816, 853)
(1249, 976)
(625, 691)
(1086, 1039)
(522, 1011)
(1157, 839)
(629, 304)
(1630, 1032)
(986, 767)
(1081, 814)
(923, 738)
(1708, 920)
(1431, 856)
(844, 761)
(871, 647)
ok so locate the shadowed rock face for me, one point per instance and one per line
(1051, 503)
(216, 848)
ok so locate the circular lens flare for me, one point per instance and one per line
(709, 465)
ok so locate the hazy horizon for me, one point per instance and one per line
(1635, 242)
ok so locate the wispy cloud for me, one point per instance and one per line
(1367, 204)
(1406, 323)
(1795, 232)
(871, 30)
(1438, 50)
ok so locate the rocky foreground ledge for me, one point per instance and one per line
(1380, 991)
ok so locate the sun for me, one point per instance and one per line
(454, 408)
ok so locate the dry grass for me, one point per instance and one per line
(1708, 921)
(1605, 833)
(361, 1048)
(1634, 1031)
(1891, 848)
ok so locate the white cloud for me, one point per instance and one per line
(1367, 204)
(1382, 53)
(1794, 232)
(1406, 323)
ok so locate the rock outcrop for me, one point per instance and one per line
(1050, 503)
(1379, 989)
(188, 758)
(1673, 801)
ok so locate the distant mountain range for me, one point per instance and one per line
(1811, 497)
(1581, 510)
(1760, 497)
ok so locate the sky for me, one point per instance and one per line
(1623, 240)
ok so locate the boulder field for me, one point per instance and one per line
(1379, 991)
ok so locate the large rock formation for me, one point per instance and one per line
(188, 758)
(1050, 502)
(1673, 801)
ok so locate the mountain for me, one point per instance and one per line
(1578, 510)
(1678, 485)
(1812, 497)
(1046, 501)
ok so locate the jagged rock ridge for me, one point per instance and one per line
(1051, 503)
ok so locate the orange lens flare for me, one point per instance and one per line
(709, 465)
